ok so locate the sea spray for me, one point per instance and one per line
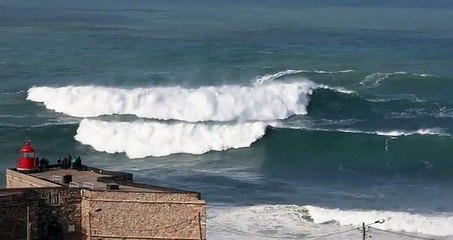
(141, 139)
(438, 224)
(213, 103)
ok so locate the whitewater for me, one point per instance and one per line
(221, 103)
(141, 139)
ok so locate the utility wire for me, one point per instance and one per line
(331, 234)
(402, 234)
(247, 233)
(264, 236)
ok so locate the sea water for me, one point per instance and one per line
(294, 119)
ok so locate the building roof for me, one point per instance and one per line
(98, 179)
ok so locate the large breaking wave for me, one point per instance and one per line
(213, 109)
(221, 103)
(304, 222)
(141, 139)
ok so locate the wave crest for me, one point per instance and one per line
(141, 139)
(222, 103)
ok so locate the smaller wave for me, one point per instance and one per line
(390, 133)
(271, 77)
(12, 93)
(375, 79)
(398, 133)
(337, 89)
(13, 116)
(428, 131)
(439, 225)
(141, 139)
(274, 76)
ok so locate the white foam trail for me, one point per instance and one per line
(271, 77)
(427, 131)
(222, 103)
(439, 225)
(391, 133)
(141, 139)
(398, 133)
(374, 79)
(337, 89)
(274, 76)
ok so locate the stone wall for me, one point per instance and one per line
(154, 213)
(20, 180)
(13, 214)
(62, 205)
(52, 211)
(143, 215)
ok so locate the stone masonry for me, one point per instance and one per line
(134, 211)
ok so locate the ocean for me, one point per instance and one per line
(294, 119)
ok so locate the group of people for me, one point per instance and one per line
(43, 163)
(70, 162)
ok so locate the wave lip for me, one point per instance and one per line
(274, 76)
(141, 139)
(375, 79)
(222, 103)
(398, 133)
(438, 225)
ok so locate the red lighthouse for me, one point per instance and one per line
(27, 161)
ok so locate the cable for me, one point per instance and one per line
(331, 234)
(402, 234)
(247, 233)
(264, 236)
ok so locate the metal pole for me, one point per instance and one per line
(363, 231)
(28, 223)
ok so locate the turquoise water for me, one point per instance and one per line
(292, 119)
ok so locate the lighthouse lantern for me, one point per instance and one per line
(27, 161)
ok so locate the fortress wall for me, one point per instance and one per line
(16, 179)
(13, 215)
(48, 207)
(139, 215)
(139, 212)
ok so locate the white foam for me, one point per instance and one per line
(303, 222)
(426, 131)
(274, 76)
(337, 89)
(398, 133)
(439, 225)
(271, 77)
(374, 79)
(141, 139)
(221, 103)
(391, 133)
(258, 222)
